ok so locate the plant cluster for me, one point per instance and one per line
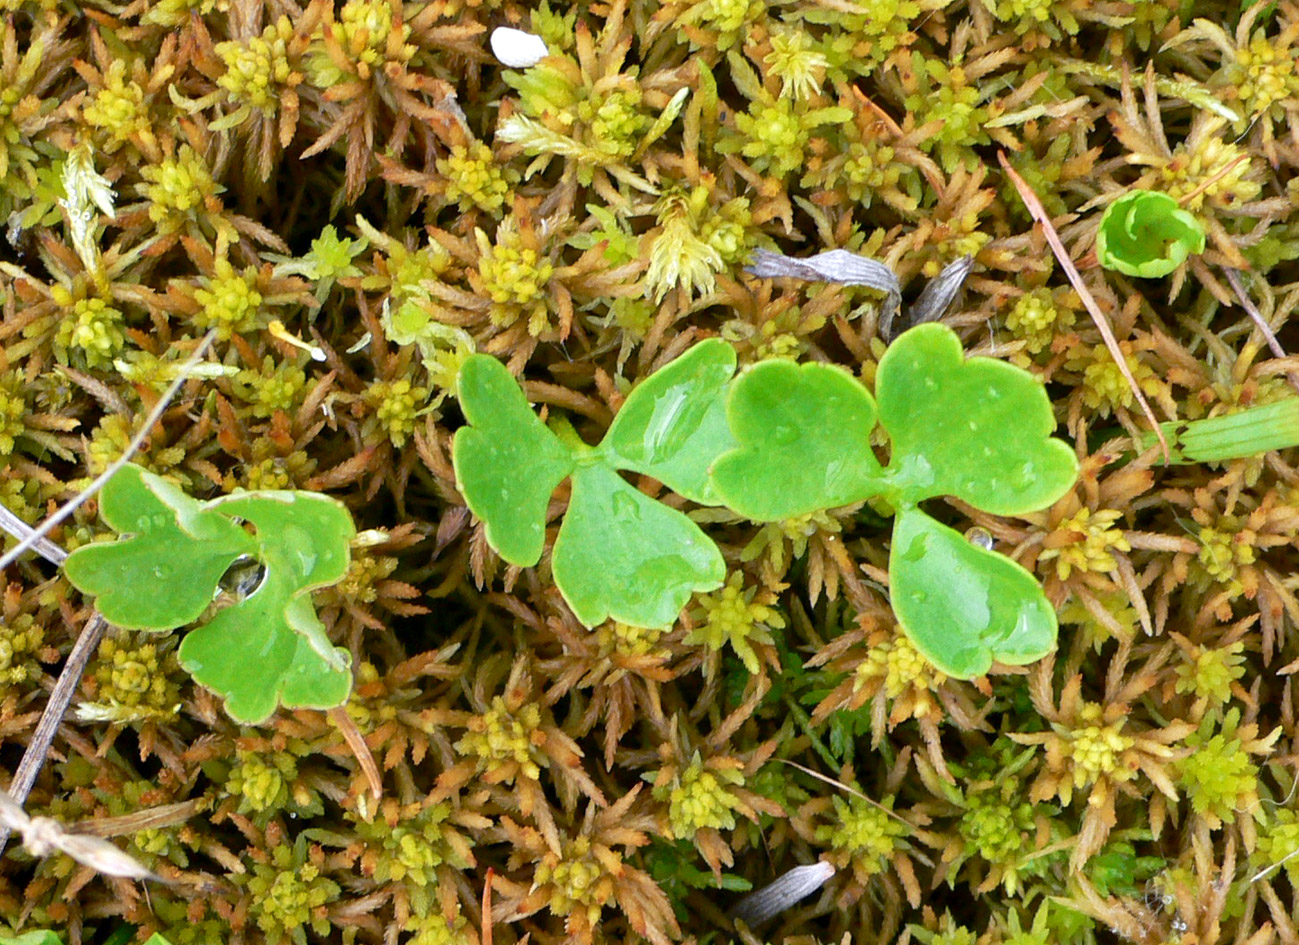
(409, 251)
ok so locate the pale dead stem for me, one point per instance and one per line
(1039, 214)
(1233, 277)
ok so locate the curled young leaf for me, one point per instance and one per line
(1145, 233)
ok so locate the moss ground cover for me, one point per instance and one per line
(357, 198)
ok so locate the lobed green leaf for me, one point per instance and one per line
(507, 463)
(162, 573)
(804, 434)
(622, 555)
(978, 429)
(963, 606)
(673, 425)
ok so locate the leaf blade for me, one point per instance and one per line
(621, 554)
(964, 606)
(978, 429)
(673, 424)
(505, 438)
(804, 432)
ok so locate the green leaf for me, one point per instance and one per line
(961, 605)
(1145, 233)
(304, 537)
(163, 573)
(507, 463)
(249, 655)
(673, 425)
(804, 432)
(43, 937)
(271, 647)
(978, 429)
(268, 648)
(623, 555)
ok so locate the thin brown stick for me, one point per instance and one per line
(486, 937)
(61, 696)
(356, 741)
(1233, 277)
(1039, 214)
(1187, 198)
(132, 448)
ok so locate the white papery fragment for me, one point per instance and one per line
(773, 899)
(517, 49)
(44, 835)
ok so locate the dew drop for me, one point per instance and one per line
(979, 537)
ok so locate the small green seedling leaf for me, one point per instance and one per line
(804, 431)
(973, 428)
(673, 424)
(257, 652)
(507, 463)
(302, 541)
(978, 429)
(1145, 233)
(161, 575)
(961, 605)
(621, 554)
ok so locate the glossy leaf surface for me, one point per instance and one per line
(804, 433)
(673, 425)
(978, 429)
(507, 462)
(302, 540)
(257, 652)
(249, 655)
(1146, 233)
(619, 552)
(961, 605)
(162, 573)
(623, 555)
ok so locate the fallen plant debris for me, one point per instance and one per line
(319, 223)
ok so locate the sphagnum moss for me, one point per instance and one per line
(331, 168)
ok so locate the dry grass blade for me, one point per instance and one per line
(356, 741)
(1039, 214)
(153, 818)
(774, 898)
